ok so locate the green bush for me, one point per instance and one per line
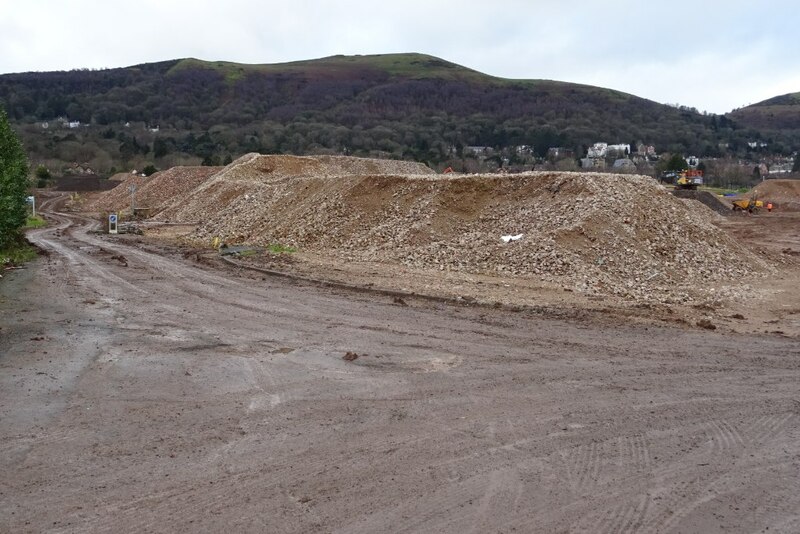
(13, 183)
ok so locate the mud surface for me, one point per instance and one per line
(143, 392)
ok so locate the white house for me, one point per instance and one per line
(597, 150)
(619, 149)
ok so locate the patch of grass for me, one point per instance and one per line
(277, 248)
(35, 222)
(17, 254)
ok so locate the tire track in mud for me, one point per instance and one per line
(723, 437)
(78, 259)
(300, 441)
(756, 446)
(769, 427)
(635, 451)
(582, 466)
(626, 517)
(489, 499)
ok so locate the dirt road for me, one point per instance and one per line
(140, 392)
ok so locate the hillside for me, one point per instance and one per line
(781, 113)
(401, 106)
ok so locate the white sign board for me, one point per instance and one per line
(112, 223)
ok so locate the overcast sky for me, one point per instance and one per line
(713, 55)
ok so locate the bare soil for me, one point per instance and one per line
(144, 391)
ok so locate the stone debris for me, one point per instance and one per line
(253, 176)
(598, 234)
(153, 191)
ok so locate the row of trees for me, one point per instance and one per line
(438, 140)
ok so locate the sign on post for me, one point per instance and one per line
(112, 223)
(32, 201)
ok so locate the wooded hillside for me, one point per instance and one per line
(405, 106)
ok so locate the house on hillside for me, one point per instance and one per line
(781, 168)
(646, 150)
(74, 124)
(597, 150)
(620, 150)
(524, 150)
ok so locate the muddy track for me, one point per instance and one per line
(141, 392)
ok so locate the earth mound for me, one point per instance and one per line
(153, 191)
(784, 194)
(253, 174)
(595, 233)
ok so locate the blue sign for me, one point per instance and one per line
(112, 218)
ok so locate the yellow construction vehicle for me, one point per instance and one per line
(750, 205)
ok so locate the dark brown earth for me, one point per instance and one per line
(156, 394)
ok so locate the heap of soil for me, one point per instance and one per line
(255, 173)
(595, 233)
(784, 194)
(155, 191)
(712, 201)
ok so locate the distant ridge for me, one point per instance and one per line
(774, 114)
(401, 106)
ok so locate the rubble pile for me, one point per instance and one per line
(784, 194)
(118, 198)
(255, 175)
(155, 191)
(595, 233)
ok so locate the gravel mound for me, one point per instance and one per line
(154, 191)
(255, 174)
(595, 233)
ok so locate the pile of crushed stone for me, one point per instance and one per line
(154, 191)
(252, 173)
(594, 233)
